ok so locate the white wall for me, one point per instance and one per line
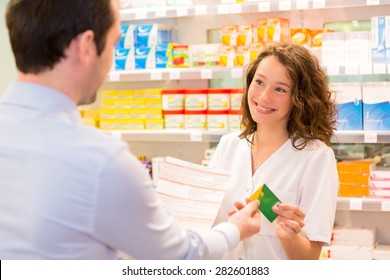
(8, 70)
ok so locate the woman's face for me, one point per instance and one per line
(269, 94)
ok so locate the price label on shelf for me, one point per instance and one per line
(174, 74)
(182, 11)
(237, 73)
(385, 205)
(264, 7)
(302, 4)
(284, 5)
(141, 14)
(351, 69)
(160, 13)
(196, 136)
(223, 9)
(206, 74)
(370, 137)
(114, 76)
(200, 10)
(379, 68)
(319, 4)
(235, 9)
(156, 75)
(372, 2)
(355, 204)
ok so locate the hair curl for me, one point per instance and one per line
(314, 113)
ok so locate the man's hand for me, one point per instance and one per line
(246, 218)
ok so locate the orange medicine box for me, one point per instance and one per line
(244, 35)
(181, 56)
(353, 190)
(260, 31)
(316, 37)
(354, 178)
(356, 166)
(278, 30)
(229, 35)
(301, 37)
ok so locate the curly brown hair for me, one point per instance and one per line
(314, 113)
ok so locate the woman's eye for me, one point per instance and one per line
(259, 82)
(280, 90)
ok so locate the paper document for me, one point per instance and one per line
(192, 193)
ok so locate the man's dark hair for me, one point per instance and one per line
(41, 30)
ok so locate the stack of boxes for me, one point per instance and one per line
(144, 46)
(215, 109)
(131, 109)
(309, 38)
(354, 178)
(241, 44)
(359, 178)
(362, 106)
(195, 108)
(380, 37)
(350, 243)
(357, 42)
(345, 48)
(355, 243)
(348, 98)
(380, 184)
(376, 106)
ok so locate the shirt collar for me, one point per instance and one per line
(43, 98)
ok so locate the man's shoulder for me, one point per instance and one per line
(93, 140)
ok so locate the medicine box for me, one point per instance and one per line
(378, 39)
(348, 98)
(376, 106)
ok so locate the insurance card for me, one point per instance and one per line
(267, 200)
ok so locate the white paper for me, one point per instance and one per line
(192, 193)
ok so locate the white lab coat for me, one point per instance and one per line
(307, 178)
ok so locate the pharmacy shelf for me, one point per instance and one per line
(363, 204)
(167, 135)
(361, 137)
(340, 73)
(378, 72)
(241, 8)
(174, 74)
(214, 136)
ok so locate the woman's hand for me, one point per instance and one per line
(290, 220)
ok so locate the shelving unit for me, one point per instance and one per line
(174, 74)
(243, 8)
(363, 204)
(214, 136)
(368, 72)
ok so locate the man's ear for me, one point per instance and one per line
(84, 47)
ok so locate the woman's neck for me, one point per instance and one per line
(269, 138)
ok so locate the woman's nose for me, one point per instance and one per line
(266, 95)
